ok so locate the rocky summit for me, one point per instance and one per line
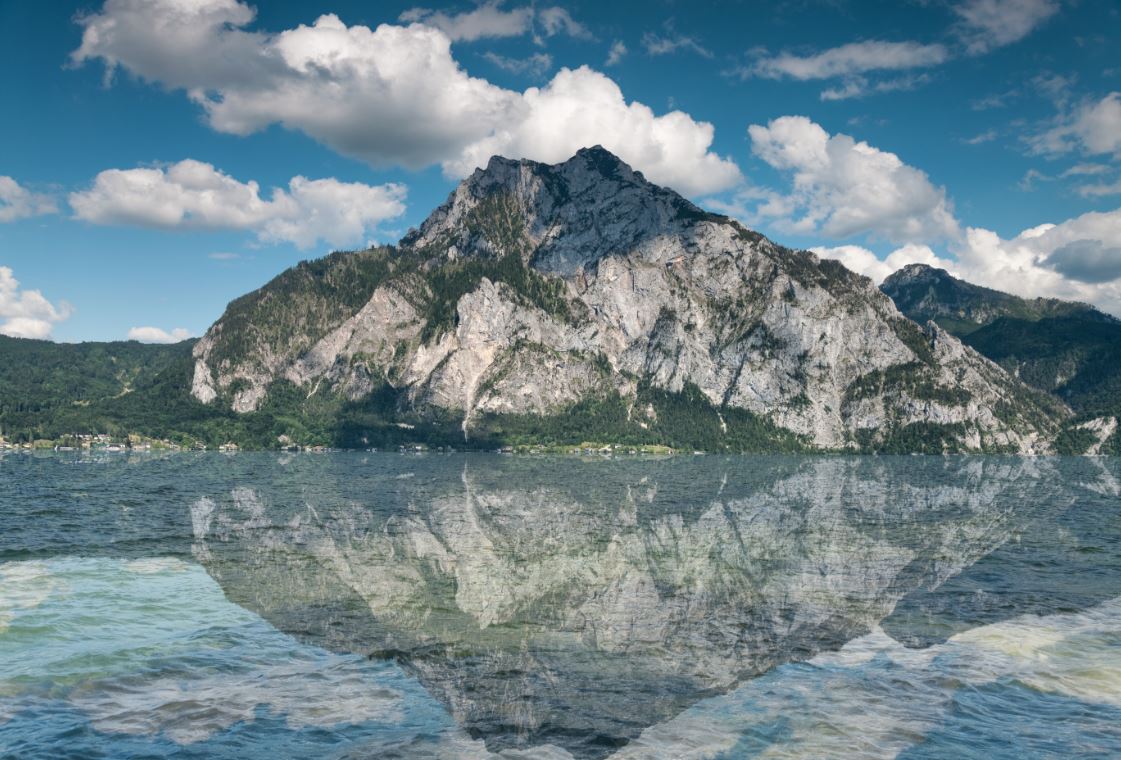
(579, 302)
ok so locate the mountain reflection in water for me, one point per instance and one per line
(578, 602)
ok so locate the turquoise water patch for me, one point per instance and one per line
(115, 658)
(1030, 687)
(1008, 721)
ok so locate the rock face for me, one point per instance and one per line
(535, 288)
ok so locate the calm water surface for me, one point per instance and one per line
(467, 606)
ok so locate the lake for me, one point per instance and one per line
(353, 605)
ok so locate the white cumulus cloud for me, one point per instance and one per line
(194, 195)
(158, 335)
(27, 313)
(390, 95)
(842, 187)
(863, 261)
(583, 107)
(17, 202)
(1078, 259)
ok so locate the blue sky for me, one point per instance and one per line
(162, 157)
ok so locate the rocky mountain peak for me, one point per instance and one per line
(560, 218)
(588, 167)
(916, 273)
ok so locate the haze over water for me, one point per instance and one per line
(377, 605)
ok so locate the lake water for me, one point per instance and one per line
(464, 606)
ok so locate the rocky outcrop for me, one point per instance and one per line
(535, 287)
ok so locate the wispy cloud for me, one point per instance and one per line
(1028, 182)
(988, 24)
(557, 20)
(491, 20)
(536, 64)
(996, 100)
(847, 60)
(672, 42)
(1087, 170)
(859, 87)
(617, 52)
(982, 25)
(1078, 171)
(1098, 189)
(488, 20)
(17, 202)
(980, 139)
(1054, 87)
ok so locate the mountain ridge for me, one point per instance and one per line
(923, 292)
(1068, 349)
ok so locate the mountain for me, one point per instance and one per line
(578, 302)
(1071, 350)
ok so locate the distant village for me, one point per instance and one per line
(106, 442)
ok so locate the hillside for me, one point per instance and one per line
(47, 389)
(1071, 350)
(571, 304)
